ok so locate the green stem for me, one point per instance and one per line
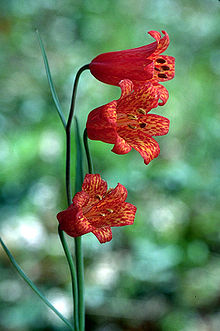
(88, 155)
(76, 81)
(73, 278)
(33, 286)
(80, 278)
(79, 158)
(68, 134)
(78, 246)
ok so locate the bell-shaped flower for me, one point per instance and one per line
(96, 209)
(126, 123)
(140, 65)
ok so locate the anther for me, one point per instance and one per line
(110, 210)
(162, 75)
(131, 126)
(165, 68)
(102, 214)
(141, 111)
(132, 117)
(160, 60)
(142, 125)
(109, 190)
(98, 196)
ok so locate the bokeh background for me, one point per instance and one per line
(162, 273)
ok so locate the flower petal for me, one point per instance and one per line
(127, 87)
(80, 199)
(103, 234)
(163, 43)
(145, 145)
(93, 185)
(156, 125)
(114, 198)
(145, 97)
(119, 193)
(112, 214)
(163, 93)
(133, 64)
(101, 123)
(121, 147)
(156, 35)
(121, 215)
(73, 222)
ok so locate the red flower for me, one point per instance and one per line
(126, 123)
(96, 209)
(140, 65)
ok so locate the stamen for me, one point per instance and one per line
(109, 190)
(131, 126)
(132, 117)
(165, 68)
(142, 125)
(157, 69)
(110, 210)
(162, 75)
(102, 214)
(160, 60)
(141, 111)
(98, 196)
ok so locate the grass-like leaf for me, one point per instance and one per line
(52, 88)
(33, 286)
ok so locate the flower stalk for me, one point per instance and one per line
(88, 155)
(73, 278)
(78, 243)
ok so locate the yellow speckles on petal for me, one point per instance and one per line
(141, 111)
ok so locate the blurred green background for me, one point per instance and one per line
(162, 273)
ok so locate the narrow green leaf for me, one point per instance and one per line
(52, 88)
(33, 286)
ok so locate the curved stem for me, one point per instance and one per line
(76, 81)
(33, 286)
(73, 277)
(68, 133)
(88, 155)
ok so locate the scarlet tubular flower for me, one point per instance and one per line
(126, 123)
(96, 209)
(139, 65)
